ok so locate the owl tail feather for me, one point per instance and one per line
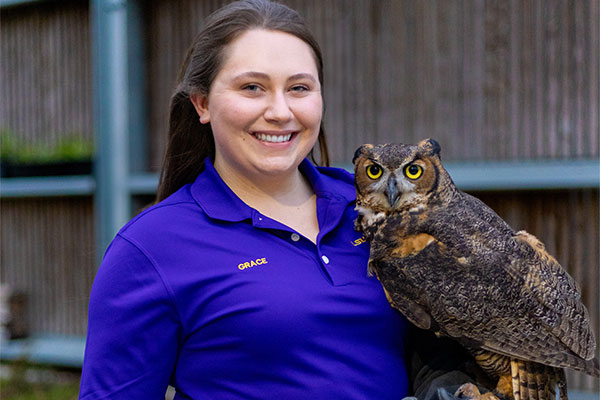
(534, 381)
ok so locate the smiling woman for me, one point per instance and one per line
(264, 107)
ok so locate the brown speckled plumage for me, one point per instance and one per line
(450, 264)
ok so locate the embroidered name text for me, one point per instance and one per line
(252, 263)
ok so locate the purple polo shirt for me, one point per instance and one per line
(204, 293)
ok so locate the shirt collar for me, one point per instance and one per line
(219, 202)
(216, 198)
(334, 183)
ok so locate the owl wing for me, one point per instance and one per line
(397, 296)
(494, 288)
(559, 305)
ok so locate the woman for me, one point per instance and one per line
(246, 280)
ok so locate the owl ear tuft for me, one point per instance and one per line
(362, 149)
(430, 147)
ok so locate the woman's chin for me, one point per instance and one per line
(278, 166)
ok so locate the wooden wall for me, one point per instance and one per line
(47, 252)
(47, 244)
(46, 88)
(490, 79)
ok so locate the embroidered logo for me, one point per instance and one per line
(252, 263)
(358, 241)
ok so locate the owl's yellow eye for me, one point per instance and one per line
(413, 171)
(374, 171)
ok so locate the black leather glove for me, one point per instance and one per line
(439, 366)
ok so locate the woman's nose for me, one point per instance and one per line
(278, 109)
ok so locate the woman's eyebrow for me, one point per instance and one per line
(262, 75)
(302, 75)
(252, 74)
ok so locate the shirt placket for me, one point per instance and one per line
(329, 214)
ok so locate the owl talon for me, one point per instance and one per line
(470, 391)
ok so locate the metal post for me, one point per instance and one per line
(115, 111)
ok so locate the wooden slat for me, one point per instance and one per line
(47, 251)
(46, 71)
(592, 84)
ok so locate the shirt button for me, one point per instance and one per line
(295, 237)
(325, 259)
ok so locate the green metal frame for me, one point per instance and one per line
(48, 186)
(474, 176)
(119, 110)
(526, 175)
(46, 349)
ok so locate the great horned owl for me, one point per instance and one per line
(452, 265)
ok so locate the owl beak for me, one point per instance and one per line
(392, 191)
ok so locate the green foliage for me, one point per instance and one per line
(19, 387)
(70, 147)
(38, 391)
(8, 144)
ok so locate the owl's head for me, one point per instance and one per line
(396, 177)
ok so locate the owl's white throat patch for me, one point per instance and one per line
(407, 198)
(369, 217)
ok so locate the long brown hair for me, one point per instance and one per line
(189, 141)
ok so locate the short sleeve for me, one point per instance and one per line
(133, 329)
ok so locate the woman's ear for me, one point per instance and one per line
(200, 103)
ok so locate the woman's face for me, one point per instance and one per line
(264, 106)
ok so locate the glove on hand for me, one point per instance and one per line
(468, 391)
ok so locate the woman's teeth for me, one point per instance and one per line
(273, 138)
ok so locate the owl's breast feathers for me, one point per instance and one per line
(461, 270)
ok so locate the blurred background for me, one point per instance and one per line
(510, 89)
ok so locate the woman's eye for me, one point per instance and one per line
(251, 87)
(300, 88)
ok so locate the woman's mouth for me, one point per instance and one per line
(272, 138)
